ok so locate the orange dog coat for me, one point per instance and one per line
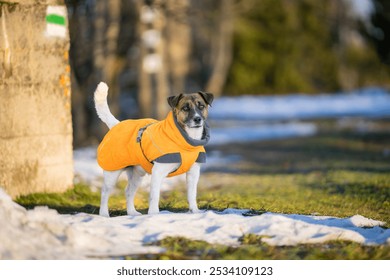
(144, 141)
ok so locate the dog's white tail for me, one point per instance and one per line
(101, 105)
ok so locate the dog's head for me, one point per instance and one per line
(191, 109)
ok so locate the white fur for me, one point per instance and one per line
(195, 132)
(135, 173)
(102, 109)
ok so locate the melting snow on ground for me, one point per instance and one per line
(42, 233)
(368, 102)
(252, 118)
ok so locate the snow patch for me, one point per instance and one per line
(258, 132)
(368, 102)
(42, 233)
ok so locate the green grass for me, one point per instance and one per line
(337, 173)
(253, 248)
(336, 193)
(78, 199)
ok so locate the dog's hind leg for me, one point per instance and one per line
(134, 177)
(110, 178)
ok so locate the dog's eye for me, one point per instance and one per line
(201, 106)
(186, 108)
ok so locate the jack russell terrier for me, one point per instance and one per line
(164, 148)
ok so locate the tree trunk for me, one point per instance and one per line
(222, 49)
(35, 117)
(153, 82)
(178, 38)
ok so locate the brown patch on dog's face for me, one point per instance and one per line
(191, 109)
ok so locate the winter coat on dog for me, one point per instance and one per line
(144, 141)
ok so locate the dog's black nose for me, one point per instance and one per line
(197, 120)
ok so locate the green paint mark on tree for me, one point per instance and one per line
(55, 19)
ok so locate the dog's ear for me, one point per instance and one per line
(208, 97)
(174, 100)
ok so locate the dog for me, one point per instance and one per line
(164, 148)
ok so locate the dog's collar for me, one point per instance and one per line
(194, 142)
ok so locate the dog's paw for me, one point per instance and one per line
(195, 211)
(106, 215)
(101, 92)
(153, 211)
(134, 213)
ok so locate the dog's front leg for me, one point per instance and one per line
(192, 183)
(159, 172)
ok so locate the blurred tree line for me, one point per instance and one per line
(283, 46)
(147, 50)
